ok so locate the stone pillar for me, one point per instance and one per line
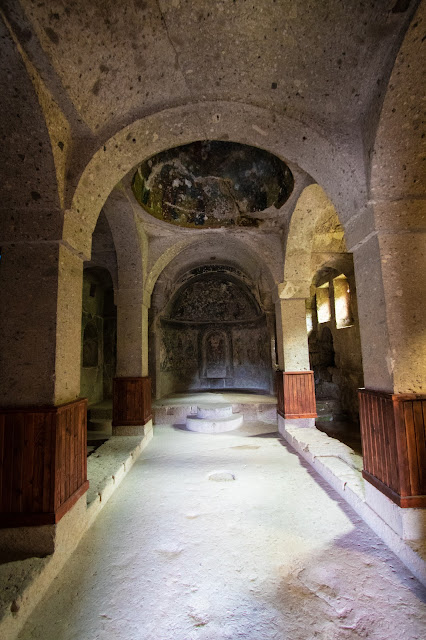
(132, 412)
(295, 381)
(42, 421)
(390, 268)
(293, 354)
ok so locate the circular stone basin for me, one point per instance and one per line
(214, 418)
(217, 410)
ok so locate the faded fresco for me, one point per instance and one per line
(214, 335)
(210, 184)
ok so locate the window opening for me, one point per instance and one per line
(323, 303)
(342, 302)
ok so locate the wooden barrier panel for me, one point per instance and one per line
(296, 394)
(393, 431)
(131, 401)
(43, 462)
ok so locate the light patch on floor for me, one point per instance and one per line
(274, 555)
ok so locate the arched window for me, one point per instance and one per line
(342, 302)
(323, 303)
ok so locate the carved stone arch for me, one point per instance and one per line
(278, 134)
(397, 163)
(312, 206)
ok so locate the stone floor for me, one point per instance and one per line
(273, 554)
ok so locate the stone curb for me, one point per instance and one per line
(349, 485)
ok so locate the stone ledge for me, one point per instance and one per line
(340, 467)
(107, 467)
(24, 582)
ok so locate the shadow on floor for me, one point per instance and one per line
(371, 545)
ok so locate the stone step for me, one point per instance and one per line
(102, 424)
(100, 412)
(214, 425)
(214, 410)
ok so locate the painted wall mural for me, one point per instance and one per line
(214, 335)
(210, 184)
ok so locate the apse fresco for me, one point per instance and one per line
(214, 336)
(212, 184)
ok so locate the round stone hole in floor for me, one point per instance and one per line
(221, 476)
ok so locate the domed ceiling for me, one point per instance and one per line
(212, 184)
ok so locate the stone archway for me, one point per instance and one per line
(291, 140)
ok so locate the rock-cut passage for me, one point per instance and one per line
(272, 555)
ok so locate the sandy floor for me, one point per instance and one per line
(273, 554)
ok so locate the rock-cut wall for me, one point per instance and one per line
(213, 335)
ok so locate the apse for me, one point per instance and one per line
(213, 334)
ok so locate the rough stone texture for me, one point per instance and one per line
(312, 208)
(372, 317)
(214, 410)
(254, 407)
(212, 333)
(292, 339)
(98, 336)
(398, 162)
(218, 560)
(132, 430)
(40, 340)
(401, 529)
(89, 91)
(213, 423)
(404, 272)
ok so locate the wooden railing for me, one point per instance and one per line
(43, 462)
(393, 431)
(296, 394)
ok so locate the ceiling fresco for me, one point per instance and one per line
(212, 184)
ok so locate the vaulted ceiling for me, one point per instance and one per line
(319, 61)
(97, 66)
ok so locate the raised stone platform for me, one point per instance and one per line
(255, 407)
(214, 418)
